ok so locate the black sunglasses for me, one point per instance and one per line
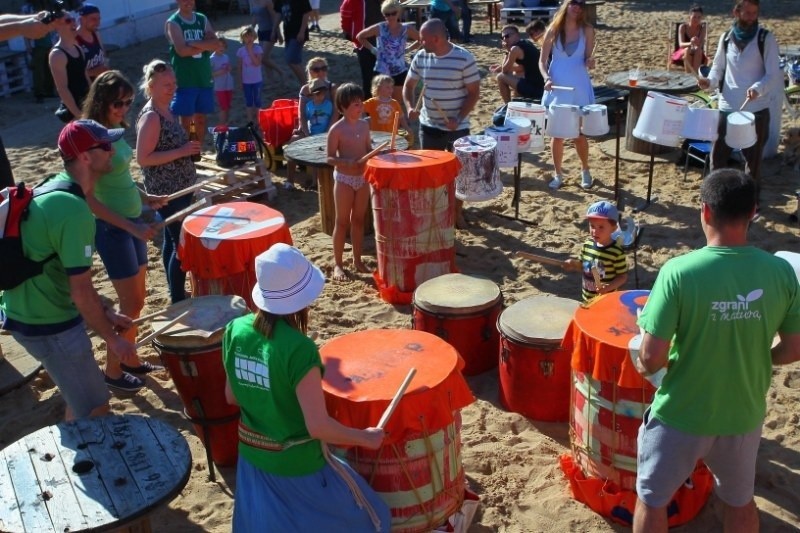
(577, 3)
(390, 14)
(117, 104)
(323, 68)
(106, 147)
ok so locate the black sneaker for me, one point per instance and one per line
(125, 383)
(142, 369)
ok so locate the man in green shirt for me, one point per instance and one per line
(710, 319)
(46, 313)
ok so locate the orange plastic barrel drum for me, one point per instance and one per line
(192, 352)
(418, 470)
(413, 195)
(534, 369)
(219, 245)
(608, 400)
(463, 311)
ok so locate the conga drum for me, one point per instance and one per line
(418, 470)
(608, 400)
(413, 204)
(534, 369)
(479, 177)
(192, 352)
(461, 310)
(219, 245)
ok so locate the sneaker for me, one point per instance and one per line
(125, 383)
(288, 185)
(142, 369)
(556, 182)
(586, 179)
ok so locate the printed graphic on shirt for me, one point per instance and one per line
(739, 309)
(251, 371)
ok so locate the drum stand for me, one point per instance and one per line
(517, 194)
(207, 425)
(649, 200)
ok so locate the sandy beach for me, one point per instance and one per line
(511, 462)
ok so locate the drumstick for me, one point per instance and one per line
(394, 129)
(159, 331)
(440, 110)
(190, 189)
(183, 212)
(373, 153)
(148, 317)
(562, 88)
(540, 259)
(419, 100)
(745, 103)
(596, 275)
(396, 400)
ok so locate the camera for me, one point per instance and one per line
(55, 12)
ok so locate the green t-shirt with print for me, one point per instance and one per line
(721, 306)
(264, 374)
(117, 190)
(192, 71)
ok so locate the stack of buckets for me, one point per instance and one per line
(522, 131)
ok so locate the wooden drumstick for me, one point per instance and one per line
(161, 330)
(746, 100)
(540, 259)
(440, 110)
(419, 100)
(197, 186)
(373, 153)
(396, 400)
(183, 212)
(145, 318)
(598, 280)
(394, 129)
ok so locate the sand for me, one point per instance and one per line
(510, 461)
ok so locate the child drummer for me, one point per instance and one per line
(348, 142)
(602, 260)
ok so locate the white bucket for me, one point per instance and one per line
(537, 114)
(661, 119)
(564, 121)
(701, 124)
(506, 150)
(741, 132)
(595, 120)
(523, 127)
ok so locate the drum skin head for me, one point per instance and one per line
(205, 323)
(456, 294)
(538, 319)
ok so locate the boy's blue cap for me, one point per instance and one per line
(603, 209)
(88, 9)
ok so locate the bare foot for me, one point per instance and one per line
(360, 267)
(339, 274)
(461, 223)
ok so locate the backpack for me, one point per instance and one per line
(761, 37)
(13, 210)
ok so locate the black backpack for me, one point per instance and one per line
(13, 210)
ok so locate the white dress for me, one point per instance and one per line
(569, 71)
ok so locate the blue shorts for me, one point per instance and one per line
(265, 36)
(293, 52)
(68, 358)
(252, 94)
(192, 100)
(122, 253)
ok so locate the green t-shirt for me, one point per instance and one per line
(58, 222)
(721, 306)
(264, 374)
(193, 71)
(116, 190)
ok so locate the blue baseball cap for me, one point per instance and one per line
(88, 9)
(603, 209)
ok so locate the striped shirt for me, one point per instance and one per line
(610, 262)
(446, 78)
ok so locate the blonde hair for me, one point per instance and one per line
(311, 63)
(391, 4)
(559, 24)
(155, 66)
(379, 80)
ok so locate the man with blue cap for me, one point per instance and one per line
(89, 40)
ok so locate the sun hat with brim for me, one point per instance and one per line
(287, 282)
(603, 209)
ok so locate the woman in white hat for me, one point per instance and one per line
(286, 479)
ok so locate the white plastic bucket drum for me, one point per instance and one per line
(506, 150)
(564, 121)
(701, 124)
(595, 120)
(537, 114)
(479, 177)
(661, 119)
(741, 132)
(523, 127)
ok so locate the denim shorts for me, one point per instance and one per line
(293, 51)
(122, 253)
(69, 359)
(189, 101)
(252, 94)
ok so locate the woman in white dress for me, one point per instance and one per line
(570, 40)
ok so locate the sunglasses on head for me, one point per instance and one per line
(106, 147)
(117, 104)
(159, 68)
(576, 3)
(321, 68)
(390, 14)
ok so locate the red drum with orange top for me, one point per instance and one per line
(413, 207)
(219, 245)
(418, 470)
(192, 352)
(462, 310)
(534, 369)
(609, 398)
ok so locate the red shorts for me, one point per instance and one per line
(224, 99)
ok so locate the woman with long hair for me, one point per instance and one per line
(121, 235)
(691, 42)
(570, 40)
(164, 152)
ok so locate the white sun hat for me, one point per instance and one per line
(287, 282)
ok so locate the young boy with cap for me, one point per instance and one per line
(602, 260)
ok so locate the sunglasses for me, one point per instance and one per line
(390, 14)
(576, 3)
(117, 104)
(106, 147)
(319, 69)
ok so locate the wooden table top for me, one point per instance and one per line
(313, 151)
(91, 474)
(665, 81)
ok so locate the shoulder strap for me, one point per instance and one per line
(48, 185)
(761, 38)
